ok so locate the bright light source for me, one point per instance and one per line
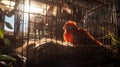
(9, 3)
(33, 9)
(9, 7)
(55, 11)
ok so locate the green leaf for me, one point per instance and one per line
(6, 41)
(8, 25)
(6, 57)
(3, 63)
(1, 33)
(105, 36)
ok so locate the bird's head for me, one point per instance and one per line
(70, 25)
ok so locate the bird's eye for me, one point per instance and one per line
(69, 27)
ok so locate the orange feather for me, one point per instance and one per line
(76, 35)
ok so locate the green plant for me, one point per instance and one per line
(5, 60)
(2, 33)
(115, 40)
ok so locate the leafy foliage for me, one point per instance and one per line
(6, 57)
(115, 40)
(1, 33)
(6, 41)
(3, 43)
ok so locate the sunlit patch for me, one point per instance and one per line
(10, 7)
(9, 3)
(46, 40)
(38, 43)
(35, 9)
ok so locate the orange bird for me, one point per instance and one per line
(76, 35)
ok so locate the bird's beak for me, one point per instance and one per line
(64, 27)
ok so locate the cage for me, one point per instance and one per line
(43, 20)
(38, 24)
